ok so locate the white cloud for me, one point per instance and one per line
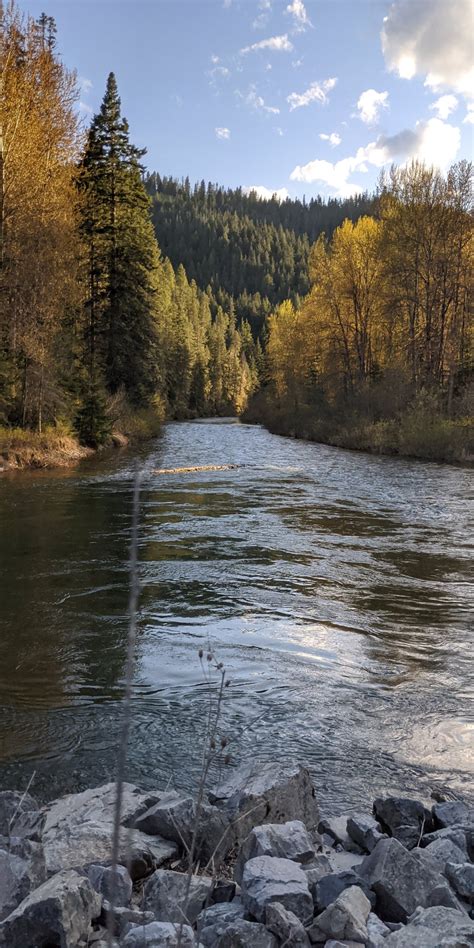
(317, 92)
(263, 17)
(266, 193)
(370, 104)
(298, 11)
(444, 106)
(333, 138)
(255, 101)
(431, 38)
(469, 117)
(217, 71)
(85, 85)
(215, 60)
(433, 142)
(223, 134)
(277, 43)
(84, 107)
(279, 131)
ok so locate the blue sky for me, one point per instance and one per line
(298, 97)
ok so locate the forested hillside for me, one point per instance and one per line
(246, 251)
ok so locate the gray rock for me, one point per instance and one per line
(461, 877)
(220, 913)
(98, 805)
(401, 882)
(58, 913)
(342, 944)
(76, 846)
(462, 836)
(436, 927)
(175, 817)
(159, 935)
(443, 851)
(287, 840)
(124, 918)
(238, 934)
(164, 894)
(336, 828)
(315, 870)
(271, 879)
(451, 813)
(345, 919)
(20, 815)
(457, 835)
(267, 793)
(377, 931)
(108, 883)
(330, 887)
(339, 862)
(22, 869)
(364, 830)
(286, 926)
(405, 819)
(224, 890)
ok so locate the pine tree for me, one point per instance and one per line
(123, 257)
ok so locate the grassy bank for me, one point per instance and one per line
(59, 446)
(419, 432)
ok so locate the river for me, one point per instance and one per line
(334, 586)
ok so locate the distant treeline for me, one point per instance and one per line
(245, 251)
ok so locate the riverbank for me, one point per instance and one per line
(417, 434)
(58, 446)
(266, 870)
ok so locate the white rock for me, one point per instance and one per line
(287, 840)
(160, 935)
(59, 912)
(286, 926)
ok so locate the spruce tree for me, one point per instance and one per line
(123, 257)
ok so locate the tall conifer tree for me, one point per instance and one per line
(122, 257)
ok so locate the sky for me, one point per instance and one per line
(298, 98)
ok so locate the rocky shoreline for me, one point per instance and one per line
(268, 870)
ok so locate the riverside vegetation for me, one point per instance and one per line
(362, 339)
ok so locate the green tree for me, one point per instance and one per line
(123, 257)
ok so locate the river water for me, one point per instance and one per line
(334, 586)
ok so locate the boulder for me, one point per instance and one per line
(451, 813)
(345, 919)
(286, 926)
(20, 815)
(287, 840)
(402, 882)
(175, 818)
(58, 913)
(364, 830)
(377, 931)
(456, 834)
(237, 934)
(220, 913)
(268, 879)
(267, 793)
(405, 819)
(461, 877)
(342, 944)
(98, 806)
(224, 890)
(125, 918)
(436, 927)
(109, 883)
(164, 894)
(341, 861)
(22, 869)
(336, 828)
(77, 846)
(315, 870)
(330, 887)
(443, 851)
(160, 935)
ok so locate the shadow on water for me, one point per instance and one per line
(334, 586)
